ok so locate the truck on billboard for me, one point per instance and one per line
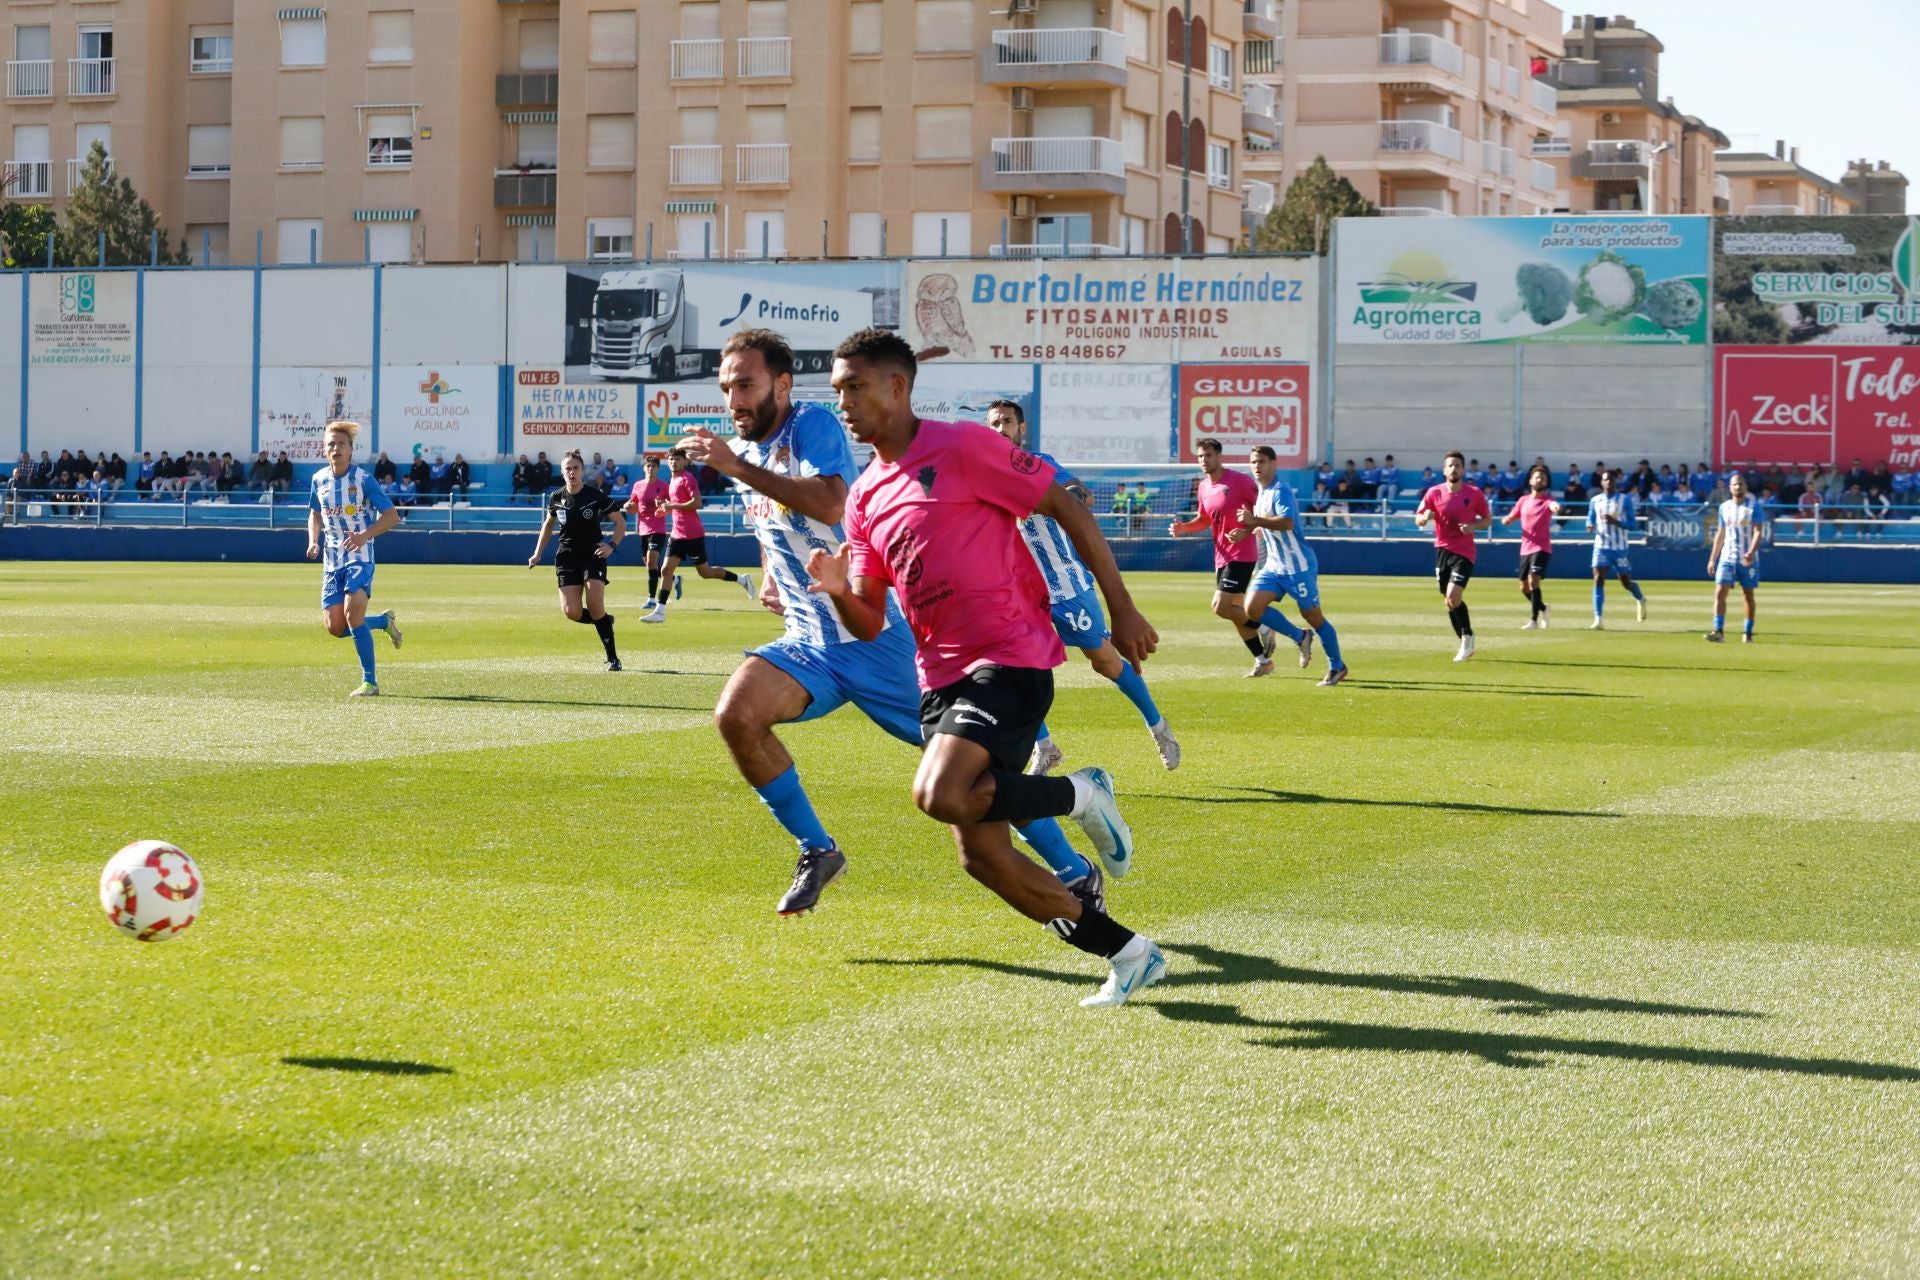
(665, 324)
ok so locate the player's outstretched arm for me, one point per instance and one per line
(1245, 515)
(1133, 635)
(860, 601)
(1195, 525)
(822, 498)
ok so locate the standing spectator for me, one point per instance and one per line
(384, 472)
(459, 477)
(422, 476)
(522, 482)
(19, 480)
(437, 476)
(280, 479)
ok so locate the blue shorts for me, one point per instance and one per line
(337, 584)
(1618, 561)
(1302, 588)
(1732, 573)
(1080, 622)
(877, 676)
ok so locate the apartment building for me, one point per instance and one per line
(1627, 149)
(1427, 106)
(456, 130)
(1778, 184)
(1875, 188)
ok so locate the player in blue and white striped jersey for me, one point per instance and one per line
(1735, 557)
(346, 511)
(1288, 568)
(1077, 616)
(793, 464)
(1610, 518)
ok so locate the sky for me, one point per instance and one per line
(1832, 77)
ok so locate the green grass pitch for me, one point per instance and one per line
(1595, 955)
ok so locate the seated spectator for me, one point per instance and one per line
(117, 472)
(1122, 502)
(1657, 496)
(1511, 483)
(280, 479)
(143, 484)
(1346, 492)
(1665, 479)
(1325, 477)
(1427, 479)
(1901, 490)
(459, 477)
(43, 472)
(1370, 479)
(542, 474)
(19, 482)
(260, 474)
(1478, 476)
(196, 477)
(438, 481)
(82, 466)
(406, 493)
(1880, 478)
(1142, 500)
(1642, 480)
(1356, 486)
(97, 490)
(1807, 506)
(1875, 509)
(231, 475)
(1704, 478)
(1683, 494)
(1593, 476)
(620, 481)
(606, 479)
(1719, 493)
(163, 479)
(1573, 499)
(384, 472)
(216, 473)
(66, 495)
(421, 473)
(1389, 480)
(522, 481)
(1857, 477)
(1850, 510)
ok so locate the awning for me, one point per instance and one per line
(689, 206)
(290, 15)
(385, 215)
(529, 219)
(533, 117)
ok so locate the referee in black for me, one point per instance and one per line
(580, 558)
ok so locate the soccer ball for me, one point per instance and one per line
(151, 890)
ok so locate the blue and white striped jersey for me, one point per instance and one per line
(1610, 537)
(1286, 552)
(1740, 522)
(1053, 550)
(348, 503)
(811, 442)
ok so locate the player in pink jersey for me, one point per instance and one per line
(648, 505)
(1223, 494)
(1456, 510)
(934, 516)
(1535, 512)
(687, 540)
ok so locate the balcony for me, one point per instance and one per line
(1412, 211)
(1542, 176)
(1055, 250)
(695, 166)
(524, 188)
(1606, 158)
(1497, 160)
(1260, 111)
(1773, 211)
(1544, 98)
(761, 164)
(1510, 81)
(77, 168)
(1723, 188)
(89, 77)
(1412, 136)
(699, 60)
(1410, 49)
(1062, 56)
(1261, 20)
(1056, 165)
(30, 79)
(27, 179)
(527, 89)
(1552, 146)
(1256, 201)
(766, 58)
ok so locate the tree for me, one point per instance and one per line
(26, 228)
(1303, 222)
(101, 202)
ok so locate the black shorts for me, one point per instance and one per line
(652, 544)
(1000, 708)
(689, 550)
(1451, 567)
(1233, 578)
(576, 571)
(1534, 562)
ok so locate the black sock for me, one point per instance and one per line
(1021, 798)
(730, 575)
(604, 625)
(1466, 621)
(1254, 647)
(1095, 932)
(1539, 605)
(653, 583)
(1453, 619)
(583, 619)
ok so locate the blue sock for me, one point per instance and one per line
(1749, 626)
(1633, 589)
(1044, 733)
(1278, 621)
(1047, 840)
(363, 645)
(793, 811)
(1599, 599)
(1719, 622)
(1330, 645)
(1134, 685)
(377, 622)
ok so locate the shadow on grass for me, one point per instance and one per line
(1633, 666)
(1270, 795)
(373, 1066)
(490, 699)
(1363, 683)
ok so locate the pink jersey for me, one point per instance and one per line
(1536, 523)
(940, 525)
(1220, 503)
(1452, 512)
(686, 524)
(646, 499)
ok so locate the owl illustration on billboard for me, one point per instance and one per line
(936, 309)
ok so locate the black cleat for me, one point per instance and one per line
(1091, 888)
(816, 869)
(613, 664)
(1716, 637)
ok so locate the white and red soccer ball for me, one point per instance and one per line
(151, 890)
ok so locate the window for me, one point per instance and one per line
(302, 142)
(938, 233)
(611, 38)
(539, 44)
(766, 124)
(610, 142)
(533, 244)
(863, 233)
(943, 133)
(766, 18)
(1219, 244)
(303, 43)
(699, 126)
(1137, 28)
(33, 44)
(389, 139)
(209, 49)
(1219, 164)
(209, 150)
(863, 135)
(299, 240)
(537, 146)
(1133, 137)
(1133, 234)
(390, 39)
(85, 135)
(30, 143)
(766, 235)
(207, 242)
(388, 241)
(1220, 65)
(864, 36)
(943, 26)
(1256, 57)
(693, 235)
(699, 22)
(609, 237)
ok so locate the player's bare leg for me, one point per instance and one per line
(758, 697)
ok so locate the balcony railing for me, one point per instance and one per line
(1412, 211)
(89, 77)
(77, 167)
(1722, 187)
(1542, 176)
(760, 164)
(1261, 100)
(1510, 77)
(1508, 162)
(1545, 98)
(1059, 46)
(1262, 18)
(1059, 155)
(30, 79)
(763, 57)
(1055, 250)
(1421, 135)
(1774, 210)
(525, 188)
(699, 60)
(1408, 48)
(27, 179)
(1552, 146)
(1258, 196)
(694, 166)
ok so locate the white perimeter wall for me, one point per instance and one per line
(11, 288)
(196, 388)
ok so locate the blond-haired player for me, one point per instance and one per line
(346, 511)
